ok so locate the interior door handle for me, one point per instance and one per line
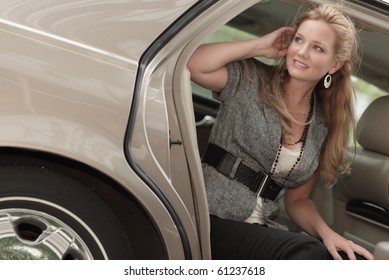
(206, 122)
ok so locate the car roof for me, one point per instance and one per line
(121, 28)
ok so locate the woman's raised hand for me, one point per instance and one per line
(275, 44)
(207, 64)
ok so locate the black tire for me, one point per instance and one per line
(36, 200)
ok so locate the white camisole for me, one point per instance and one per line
(286, 161)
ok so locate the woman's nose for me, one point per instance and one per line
(303, 51)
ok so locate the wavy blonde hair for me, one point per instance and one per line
(337, 101)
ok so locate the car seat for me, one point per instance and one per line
(361, 199)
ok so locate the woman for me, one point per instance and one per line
(279, 127)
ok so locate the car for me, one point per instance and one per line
(102, 131)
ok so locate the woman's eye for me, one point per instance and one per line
(298, 39)
(319, 49)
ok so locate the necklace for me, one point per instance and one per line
(302, 140)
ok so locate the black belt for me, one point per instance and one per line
(257, 182)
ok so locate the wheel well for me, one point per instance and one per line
(140, 227)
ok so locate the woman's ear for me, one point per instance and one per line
(336, 66)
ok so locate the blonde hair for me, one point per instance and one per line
(337, 101)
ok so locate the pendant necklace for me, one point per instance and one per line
(302, 140)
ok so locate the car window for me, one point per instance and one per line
(225, 33)
(365, 92)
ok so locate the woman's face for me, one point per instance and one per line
(311, 55)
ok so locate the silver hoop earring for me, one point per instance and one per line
(327, 81)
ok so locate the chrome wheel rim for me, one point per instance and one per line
(27, 234)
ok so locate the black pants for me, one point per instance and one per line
(232, 240)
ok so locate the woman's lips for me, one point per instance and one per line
(300, 64)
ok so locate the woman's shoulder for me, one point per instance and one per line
(246, 75)
(258, 68)
(251, 68)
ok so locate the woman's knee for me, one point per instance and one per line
(307, 248)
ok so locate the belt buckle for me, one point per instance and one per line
(264, 181)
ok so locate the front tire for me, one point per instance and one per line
(46, 214)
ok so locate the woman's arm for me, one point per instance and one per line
(303, 212)
(207, 64)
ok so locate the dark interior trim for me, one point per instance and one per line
(370, 211)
